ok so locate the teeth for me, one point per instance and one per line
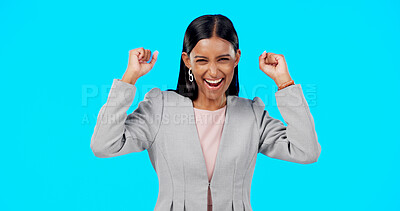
(213, 82)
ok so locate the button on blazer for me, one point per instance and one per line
(164, 125)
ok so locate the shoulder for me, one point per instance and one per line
(247, 107)
(257, 103)
(245, 102)
(167, 98)
(154, 93)
(244, 108)
(239, 101)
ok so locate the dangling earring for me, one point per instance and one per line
(190, 75)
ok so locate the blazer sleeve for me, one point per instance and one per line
(297, 142)
(117, 133)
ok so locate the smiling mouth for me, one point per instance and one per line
(214, 83)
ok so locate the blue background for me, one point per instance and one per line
(58, 60)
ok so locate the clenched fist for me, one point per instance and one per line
(274, 65)
(137, 64)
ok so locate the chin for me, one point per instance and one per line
(213, 95)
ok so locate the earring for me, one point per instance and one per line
(190, 75)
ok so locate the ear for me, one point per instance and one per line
(186, 59)
(238, 54)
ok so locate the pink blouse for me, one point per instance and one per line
(209, 126)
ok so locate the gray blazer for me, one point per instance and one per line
(164, 124)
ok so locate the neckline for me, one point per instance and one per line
(222, 140)
(220, 109)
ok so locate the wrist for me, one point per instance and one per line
(285, 84)
(129, 79)
(282, 79)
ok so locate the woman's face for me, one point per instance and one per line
(213, 62)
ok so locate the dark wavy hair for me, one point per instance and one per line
(205, 27)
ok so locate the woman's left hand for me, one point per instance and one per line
(274, 65)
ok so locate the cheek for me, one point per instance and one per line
(229, 79)
(198, 75)
(228, 70)
(226, 64)
(201, 69)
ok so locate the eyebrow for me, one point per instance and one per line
(217, 56)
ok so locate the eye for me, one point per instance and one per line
(201, 60)
(224, 59)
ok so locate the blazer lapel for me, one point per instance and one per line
(222, 143)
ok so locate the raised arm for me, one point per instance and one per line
(297, 142)
(117, 133)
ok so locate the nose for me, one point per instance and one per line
(213, 70)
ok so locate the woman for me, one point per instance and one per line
(206, 166)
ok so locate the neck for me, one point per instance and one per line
(209, 104)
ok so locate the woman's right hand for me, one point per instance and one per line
(137, 64)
